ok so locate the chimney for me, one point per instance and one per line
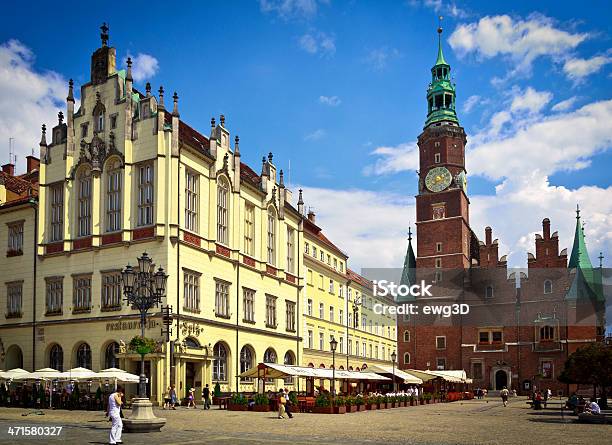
(546, 228)
(311, 216)
(300, 203)
(33, 163)
(212, 140)
(488, 237)
(9, 169)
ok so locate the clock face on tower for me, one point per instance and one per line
(437, 179)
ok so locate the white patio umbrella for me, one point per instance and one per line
(118, 375)
(14, 373)
(78, 374)
(40, 374)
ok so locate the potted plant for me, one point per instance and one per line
(360, 403)
(142, 345)
(351, 404)
(411, 399)
(427, 397)
(238, 402)
(435, 397)
(340, 405)
(262, 403)
(371, 403)
(323, 405)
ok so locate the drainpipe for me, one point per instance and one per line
(237, 323)
(35, 205)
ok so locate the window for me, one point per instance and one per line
(249, 229)
(364, 322)
(331, 313)
(222, 211)
(321, 341)
(81, 297)
(341, 291)
(322, 256)
(271, 311)
(363, 349)
(438, 263)
(310, 339)
(406, 336)
(56, 358)
(349, 351)
(437, 158)
(321, 283)
(110, 356)
(321, 311)
(441, 342)
(489, 292)
(191, 291)
(222, 299)
(113, 198)
(290, 249)
(314, 251)
(335, 263)
(310, 280)
(113, 121)
(219, 373)
(306, 248)
(438, 247)
(145, 195)
(246, 361)
(349, 319)
(290, 316)
(328, 260)
(15, 238)
(477, 370)
(191, 200)
(490, 336)
(111, 291)
(341, 345)
(248, 305)
(14, 299)
(84, 130)
(99, 121)
(56, 196)
(271, 237)
(483, 337)
(547, 369)
(84, 203)
(547, 333)
(548, 287)
(341, 316)
(54, 295)
(309, 306)
(370, 349)
(496, 336)
(331, 286)
(383, 353)
(83, 356)
(440, 363)
(406, 358)
(341, 267)
(270, 356)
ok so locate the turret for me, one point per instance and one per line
(70, 120)
(174, 147)
(237, 161)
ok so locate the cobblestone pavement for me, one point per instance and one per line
(470, 422)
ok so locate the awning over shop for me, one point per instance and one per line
(13, 373)
(118, 375)
(452, 376)
(276, 371)
(39, 374)
(408, 378)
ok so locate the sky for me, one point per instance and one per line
(336, 90)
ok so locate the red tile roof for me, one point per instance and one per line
(354, 276)
(248, 174)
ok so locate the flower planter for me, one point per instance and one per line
(231, 407)
(351, 409)
(261, 408)
(361, 407)
(371, 406)
(323, 409)
(421, 402)
(340, 409)
(428, 401)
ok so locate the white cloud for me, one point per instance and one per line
(577, 69)
(471, 102)
(565, 105)
(144, 66)
(291, 9)
(318, 42)
(522, 41)
(378, 59)
(28, 98)
(403, 157)
(316, 135)
(332, 101)
(441, 7)
(530, 100)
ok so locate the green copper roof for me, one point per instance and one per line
(409, 271)
(580, 256)
(440, 60)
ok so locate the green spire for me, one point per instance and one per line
(580, 256)
(441, 90)
(409, 271)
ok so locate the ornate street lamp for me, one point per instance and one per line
(393, 357)
(333, 345)
(143, 290)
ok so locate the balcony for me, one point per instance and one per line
(547, 346)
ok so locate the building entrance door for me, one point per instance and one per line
(501, 379)
(190, 373)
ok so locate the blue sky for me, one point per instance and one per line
(338, 88)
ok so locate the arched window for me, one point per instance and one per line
(222, 211)
(489, 292)
(271, 236)
(270, 356)
(289, 360)
(548, 287)
(84, 202)
(406, 358)
(83, 356)
(191, 342)
(246, 361)
(219, 363)
(406, 336)
(110, 355)
(341, 368)
(98, 114)
(113, 197)
(56, 358)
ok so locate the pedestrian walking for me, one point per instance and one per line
(289, 404)
(191, 399)
(114, 412)
(504, 395)
(167, 398)
(173, 398)
(206, 397)
(282, 401)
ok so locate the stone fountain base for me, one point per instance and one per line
(142, 419)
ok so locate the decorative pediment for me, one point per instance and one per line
(96, 152)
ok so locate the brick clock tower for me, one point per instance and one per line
(442, 206)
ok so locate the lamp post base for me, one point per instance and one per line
(142, 419)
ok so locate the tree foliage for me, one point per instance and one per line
(589, 365)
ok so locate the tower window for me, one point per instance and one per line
(437, 158)
(438, 247)
(548, 287)
(448, 101)
(438, 101)
(489, 292)
(438, 263)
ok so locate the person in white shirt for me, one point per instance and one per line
(594, 407)
(114, 412)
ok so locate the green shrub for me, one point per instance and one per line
(323, 400)
(293, 398)
(261, 399)
(238, 399)
(339, 401)
(217, 390)
(142, 345)
(359, 401)
(349, 401)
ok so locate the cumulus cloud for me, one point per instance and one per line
(445, 7)
(378, 59)
(471, 102)
(521, 41)
(144, 66)
(565, 105)
(318, 42)
(530, 100)
(332, 101)
(291, 9)
(390, 160)
(319, 133)
(28, 98)
(577, 69)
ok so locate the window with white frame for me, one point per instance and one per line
(406, 336)
(271, 239)
(81, 297)
(406, 358)
(309, 306)
(54, 295)
(341, 291)
(310, 339)
(14, 299)
(321, 311)
(271, 311)
(249, 229)
(363, 349)
(84, 203)
(113, 198)
(441, 363)
(111, 290)
(145, 194)
(331, 286)
(321, 341)
(15, 238)
(219, 373)
(331, 313)
(341, 345)
(222, 299)
(56, 198)
(548, 287)
(191, 291)
(306, 248)
(191, 200)
(341, 316)
(222, 211)
(248, 305)
(290, 316)
(290, 249)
